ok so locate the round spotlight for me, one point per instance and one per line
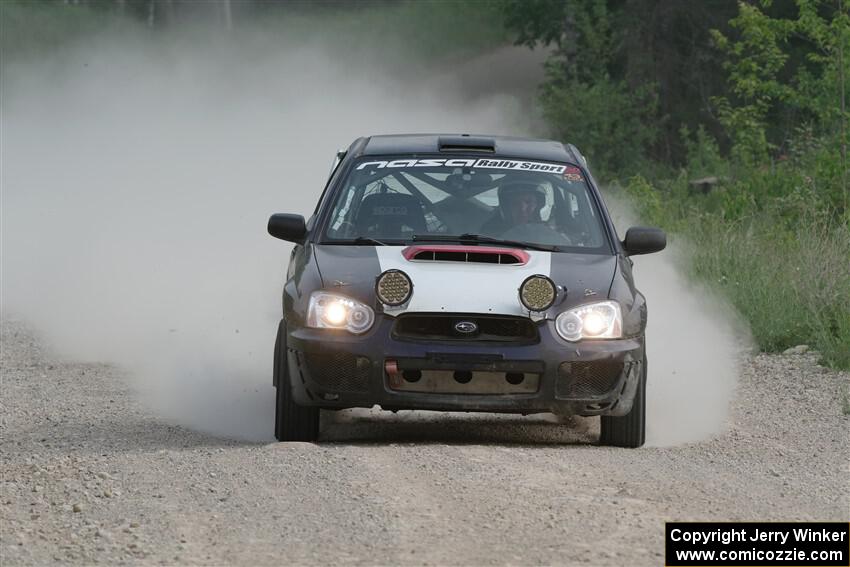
(393, 287)
(537, 293)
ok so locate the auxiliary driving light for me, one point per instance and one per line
(537, 293)
(393, 288)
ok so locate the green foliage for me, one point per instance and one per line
(580, 99)
(656, 58)
(793, 286)
(652, 204)
(773, 236)
(536, 21)
(818, 83)
(612, 124)
(620, 84)
(703, 154)
(782, 262)
(773, 94)
(754, 62)
(580, 30)
(30, 28)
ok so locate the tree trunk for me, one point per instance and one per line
(841, 33)
(228, 16)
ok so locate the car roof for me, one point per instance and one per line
(490, 146)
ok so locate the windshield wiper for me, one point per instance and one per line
(467, 237)
(367, 240)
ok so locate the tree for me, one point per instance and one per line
(651, 60)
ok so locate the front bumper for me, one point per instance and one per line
(333, 369)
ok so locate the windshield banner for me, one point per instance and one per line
(480, 163)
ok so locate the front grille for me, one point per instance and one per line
(338, 372)
(442, 328)
(587, 379)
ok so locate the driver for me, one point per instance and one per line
(520, 202)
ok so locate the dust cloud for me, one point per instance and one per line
(137, 182)
(137, 179)
(695, 342)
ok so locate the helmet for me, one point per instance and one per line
(512, 189)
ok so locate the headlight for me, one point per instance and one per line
(332, 311)
(537, 293)
(393, 288)
(601, 320)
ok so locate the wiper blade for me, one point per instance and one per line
(468, 237)
(367, 240)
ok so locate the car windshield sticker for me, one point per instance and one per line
(521, 165)
(573, 174)
(480, 163)
(437, 162)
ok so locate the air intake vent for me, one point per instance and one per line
(589, 379)
(474, 254)
(337, 371)
(467, 143)
(479, 257)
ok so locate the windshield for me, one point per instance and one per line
(398, 200)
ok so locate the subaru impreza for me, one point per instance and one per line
(461, 273)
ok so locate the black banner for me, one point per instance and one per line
(806, 544)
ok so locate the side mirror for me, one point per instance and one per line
(288, 227)
(644, 240)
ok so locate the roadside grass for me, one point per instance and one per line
(792, 286)
(787, 272)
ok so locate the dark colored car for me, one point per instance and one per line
(461, 273)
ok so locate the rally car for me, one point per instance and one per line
(461, 273)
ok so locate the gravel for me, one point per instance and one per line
(89, 475)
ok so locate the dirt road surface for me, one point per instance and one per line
(90, 476)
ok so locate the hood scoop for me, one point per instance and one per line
(467, 254)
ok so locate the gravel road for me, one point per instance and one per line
(91, 476)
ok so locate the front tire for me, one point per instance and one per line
(291, 421)
(628, 430)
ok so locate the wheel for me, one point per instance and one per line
(291, 421)
(628, 430)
